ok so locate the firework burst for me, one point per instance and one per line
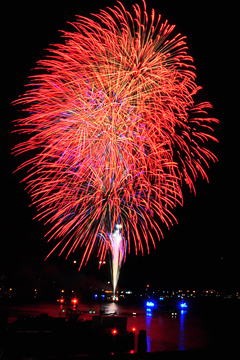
(116, 132)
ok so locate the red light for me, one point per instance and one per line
(61, 301)
(114, 331)
(74, 301)
(133, 329)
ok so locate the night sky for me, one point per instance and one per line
(202, 250)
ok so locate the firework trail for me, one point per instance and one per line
(114, 132)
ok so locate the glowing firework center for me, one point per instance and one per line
(112, 119)
(118, 254)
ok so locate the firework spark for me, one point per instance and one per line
(115, 133)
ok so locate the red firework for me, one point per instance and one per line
(112, 119)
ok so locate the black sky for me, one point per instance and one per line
(202, 250)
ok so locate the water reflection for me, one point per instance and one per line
(164, 332)
(148, 328)
(182, 330)
(112, 308)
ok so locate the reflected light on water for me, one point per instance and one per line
(182, 330)
(148, 328)
(164, 332)
(112, 308)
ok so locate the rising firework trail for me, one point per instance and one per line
(115, 132)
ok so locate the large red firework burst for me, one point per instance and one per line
(116, 132)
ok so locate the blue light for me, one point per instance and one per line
(95, 296)
(150, 303)
(161, 298)
(103, 296)
(148, 312)
(183, 305)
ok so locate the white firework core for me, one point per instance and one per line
(117, 255)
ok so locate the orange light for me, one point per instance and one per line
(61, 301)
(74, 301)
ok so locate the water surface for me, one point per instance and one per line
(165, 332)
